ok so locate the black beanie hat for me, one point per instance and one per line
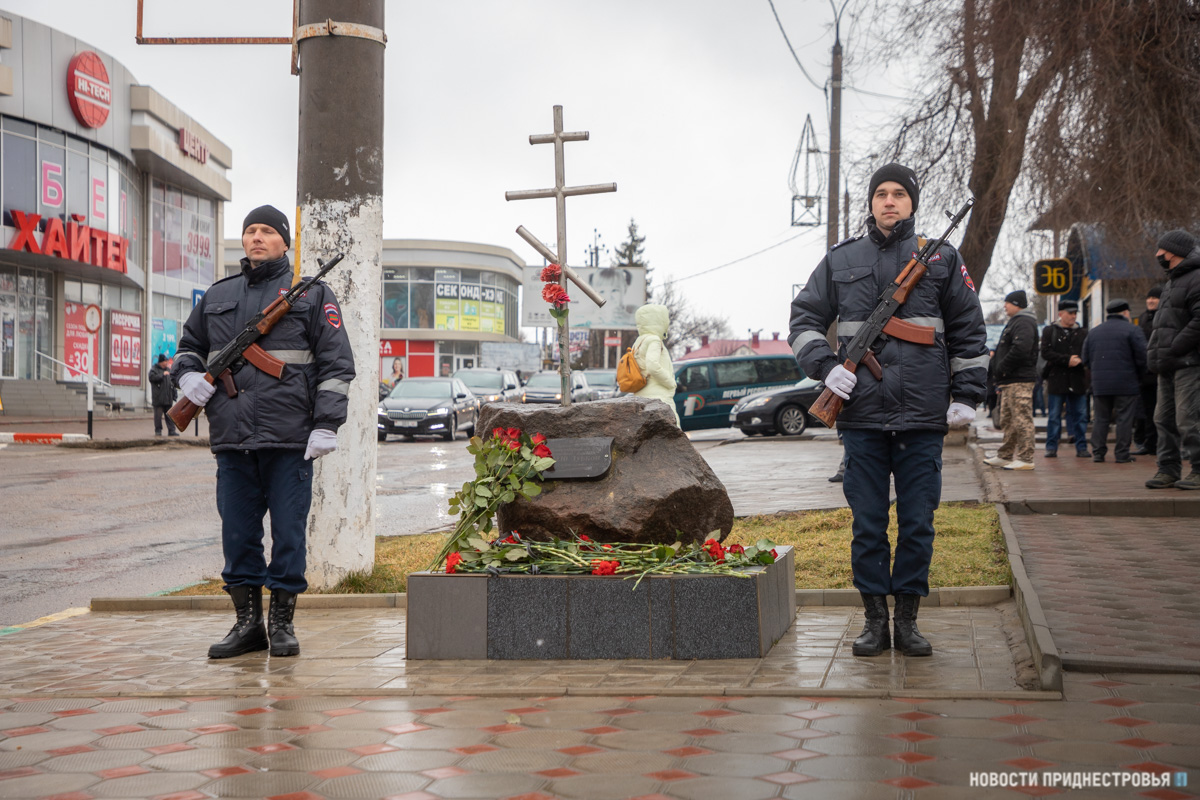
(270, 215)
(1017, 298)
(1178, 241)
(162, 357)
(901, 175)
(1155, 291)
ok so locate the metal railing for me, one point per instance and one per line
(54, 373)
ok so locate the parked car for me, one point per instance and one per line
(603, 382)
(546, 387)
(706, 389)
(783, 410)
(428, 407)
(491, 385)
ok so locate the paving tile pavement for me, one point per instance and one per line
(538, 747)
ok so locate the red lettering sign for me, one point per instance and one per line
(193, 145)
(89, 89)
(78, 243)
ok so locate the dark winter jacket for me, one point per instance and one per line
(311, 340)
(162, 391)
(1146, 324)
(1058, 345)
(1115, 352)
(1017, 350)
(919, 381)
(1175, 342)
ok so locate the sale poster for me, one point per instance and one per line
(125, 351)
(75, 344)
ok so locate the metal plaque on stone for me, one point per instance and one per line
(587, 457)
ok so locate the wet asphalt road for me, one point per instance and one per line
(82, 523)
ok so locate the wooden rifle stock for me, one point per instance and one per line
(184, 410)
(829, 405)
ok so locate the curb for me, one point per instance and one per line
(1158, 506)
(947, 597)
(42, 438)
(1117, 664)
(1046, 659)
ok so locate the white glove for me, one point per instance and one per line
(841, 381)
(320, 443)
(195, 388)
(959, 415)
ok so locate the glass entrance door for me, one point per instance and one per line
(8, 336)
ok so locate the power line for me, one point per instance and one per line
(791, 49)
(743, 258)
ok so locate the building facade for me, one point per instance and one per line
(441, 302)
(112, 201)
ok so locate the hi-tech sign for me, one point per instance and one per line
(89, 89)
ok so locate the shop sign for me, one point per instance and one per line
(88, 89)
(192, 145)
(72, 241)
(125, 348)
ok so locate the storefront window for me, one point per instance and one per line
(183, 235)
(19, 166)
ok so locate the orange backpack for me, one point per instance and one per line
(629, 376)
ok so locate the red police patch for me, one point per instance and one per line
(332, 315)
(967, 279)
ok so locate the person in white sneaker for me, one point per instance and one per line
(1015, 370)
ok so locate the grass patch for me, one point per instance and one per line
(968, 550)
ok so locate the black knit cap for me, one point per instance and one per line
(901, 175)
(162, 357)
(1116, 306)
(272, 216)
(1178, 241)
(1155, 291)
(1017, 298)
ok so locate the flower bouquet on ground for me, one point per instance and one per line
(508, 463)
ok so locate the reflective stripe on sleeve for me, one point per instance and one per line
(334, 385)
(957, 365)
(805, 339)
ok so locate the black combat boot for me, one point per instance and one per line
(875, 637)
(909, 640)
(248, 633)
(279, 623)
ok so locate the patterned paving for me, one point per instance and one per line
(540, 748)
(347, 650)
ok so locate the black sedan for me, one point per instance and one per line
(783, 410)
(428, 407)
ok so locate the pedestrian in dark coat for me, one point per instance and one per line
(1066, 379)
(1175, 356)
(1115, 352)
(162, 395)
(1015, 371)
(1145, 434)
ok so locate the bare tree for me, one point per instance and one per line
(1058, 110)
(687, 324)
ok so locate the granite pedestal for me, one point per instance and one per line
(481, 616)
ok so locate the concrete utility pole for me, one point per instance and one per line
(339, 198)
(835, 131)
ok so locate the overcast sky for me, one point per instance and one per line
(694, 107)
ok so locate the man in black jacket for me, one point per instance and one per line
(1014, 372)
(1066, 379)
(1115, 352)
(1145, 434)
(162, 394)
(266, 434)
(1175, 356)
(893, 427)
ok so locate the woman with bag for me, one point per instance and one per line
(652, 356)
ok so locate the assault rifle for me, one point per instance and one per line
(245, 346)
(882, 321)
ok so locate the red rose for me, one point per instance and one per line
(513, 433)
(498, 433)
(514, 445)
(774, 554)
(714, 550)
(541, 451)
(552, 273)
(537, 438)
(737, 549)
(452, 561)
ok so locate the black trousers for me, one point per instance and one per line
(1144, 430)
(159, 413)
(1121, 408)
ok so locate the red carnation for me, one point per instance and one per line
(452, 561)
(551, 292)
(774, 554)
(736, 549)
(715, 550)
(562, 300)
(605, 567)
(541, 451)
(552, 273)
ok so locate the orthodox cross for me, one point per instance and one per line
(560, 193)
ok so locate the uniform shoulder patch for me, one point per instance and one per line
(845, 241)
(967, 278)
(333, 315)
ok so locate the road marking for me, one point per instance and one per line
(61, 615)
